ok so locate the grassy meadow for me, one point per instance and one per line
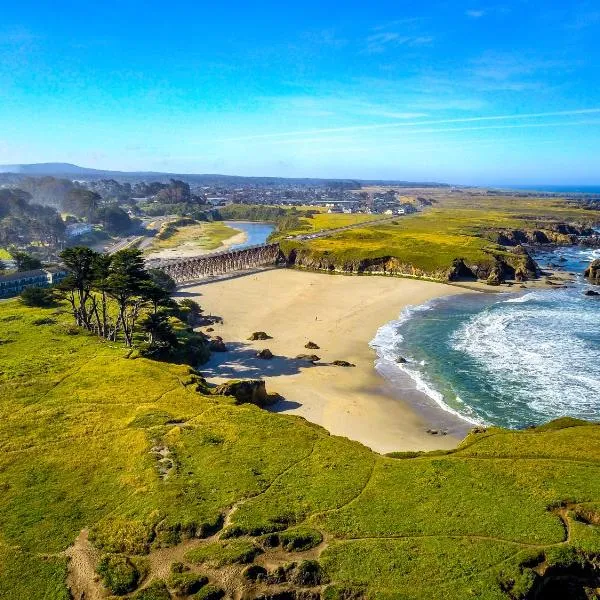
(431, 240)
(83, 426)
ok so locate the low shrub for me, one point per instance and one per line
(157, 590)
(43, 321)
(179, 567)
(255, 573)
(186, 584)
(118, 573)
(37, 296)
(227, 552)
(209, 592)
(300, 538)
(308, 572)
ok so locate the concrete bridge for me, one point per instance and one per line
(207, 265)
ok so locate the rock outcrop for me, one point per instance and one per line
(312, 346)
(342, 363)
(250, 391)
(259, 335)
(593, 271)
(562, 234)
(217, 344)
(309, 357)
(266, 354)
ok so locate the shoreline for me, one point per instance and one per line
(343, 316)
(190, 249)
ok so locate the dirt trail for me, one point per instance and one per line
(83, 580)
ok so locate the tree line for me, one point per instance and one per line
(118, 299)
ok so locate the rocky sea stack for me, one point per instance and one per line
(593, 271)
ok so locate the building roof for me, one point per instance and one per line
(23, 275)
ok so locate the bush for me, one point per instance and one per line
(225, 553)
(255, 573)
(37, 296)
(43, 321)
(308, 572)
(299, 539)
(118, 573)
(157, 590)
(186, 584)
(179, 567)
(209, 592)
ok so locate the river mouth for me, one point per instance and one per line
(511, 359)
(255, 233)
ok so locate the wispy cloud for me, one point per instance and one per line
(379, 42)
(475, 14)
(378, 126)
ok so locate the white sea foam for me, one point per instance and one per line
(386, 342)
(521, 299)
(542, 354)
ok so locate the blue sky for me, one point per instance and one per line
(465, 92)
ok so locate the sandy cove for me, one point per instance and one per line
(341, 314)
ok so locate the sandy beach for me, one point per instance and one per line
(341, 314)
(191, 248)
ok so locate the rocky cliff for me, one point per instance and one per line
(514, 263)
(560, 234)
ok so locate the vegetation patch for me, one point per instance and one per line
(156, 590)
(226, 552)
(209, 592)
(78, 421)
(300, 539)
(185, 584)
(118, 573)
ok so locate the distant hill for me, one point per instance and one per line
(11, 173)
(49, 169)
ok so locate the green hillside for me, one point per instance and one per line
(158, 471)
(426, 244)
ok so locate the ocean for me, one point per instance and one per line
(510, 359)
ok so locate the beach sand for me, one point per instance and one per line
(191, 248)
(341, 314)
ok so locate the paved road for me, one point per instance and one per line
(328, 232)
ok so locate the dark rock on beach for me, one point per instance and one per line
(342, 363)
(591, 293)
(266, 354)
(312, 346)
(309, 357)
(260, 335)
(217, 344)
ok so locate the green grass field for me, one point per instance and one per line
(83, 423)
(431, 240)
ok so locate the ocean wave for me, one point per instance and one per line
(386, 344)
(541, 357)
(521, 299)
